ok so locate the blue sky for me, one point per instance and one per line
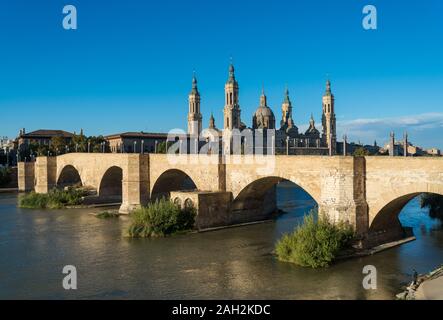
(128, 66)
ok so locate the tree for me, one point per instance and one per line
(58, 145)
(435, 204)
(79, 142)
(361, 152)
(161, 147)
(96, 144)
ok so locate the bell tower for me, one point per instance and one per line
(328, 120)
(231, 111)
(194, 115)
(286, 110)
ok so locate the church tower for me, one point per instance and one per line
(194, 115)
(286, 110)
(328, 120)
(231, 112)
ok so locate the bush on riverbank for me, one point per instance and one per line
(435, 204)
(314, 243)
(54, 199)
(159, 219)
(5, 176)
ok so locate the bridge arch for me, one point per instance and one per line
(69, 176)
(258, 198)
(172, 180)
(385, 224)
(391, 203)
(111, 184)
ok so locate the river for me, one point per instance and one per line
(234, 263)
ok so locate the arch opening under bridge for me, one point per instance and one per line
(171, 180)
(69, 177)
(110, 189)
(387, 226)
(266, 197)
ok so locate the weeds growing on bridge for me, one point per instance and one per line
(54, 199)
(315, 243)
(159, 219)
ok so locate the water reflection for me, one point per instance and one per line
(230, 263)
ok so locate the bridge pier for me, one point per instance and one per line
(26, 176)
(135, 184)
(45, 174)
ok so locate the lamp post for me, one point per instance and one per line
(287, 145)
(7, 156)
(142, 149)
(135, 146)
(155, 148)
(89, 146)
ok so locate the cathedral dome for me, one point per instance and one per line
(263, 117)
(264, 112)
(312, 130)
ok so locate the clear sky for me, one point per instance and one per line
(128, 66)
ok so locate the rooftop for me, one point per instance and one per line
(137, 135)
(48, 133)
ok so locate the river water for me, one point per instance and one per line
(233, 263)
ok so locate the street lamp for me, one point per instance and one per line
(142, 150)
(7, 156)
(135, 146)
(89, 146)
(155, 150)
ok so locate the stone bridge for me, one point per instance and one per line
(367, 192)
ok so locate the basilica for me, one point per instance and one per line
(288, 138)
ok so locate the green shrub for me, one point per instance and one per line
(54, 199)
(435, 204)
(314, 243)
(160, 218)
(5, 176)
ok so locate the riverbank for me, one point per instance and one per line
(8, 190)
(426, 287)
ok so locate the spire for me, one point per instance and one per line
(231, 72)
(211, 122)
(328, 88)
(311, 121)
(194, 84)
(287, 100)
(263, 102)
